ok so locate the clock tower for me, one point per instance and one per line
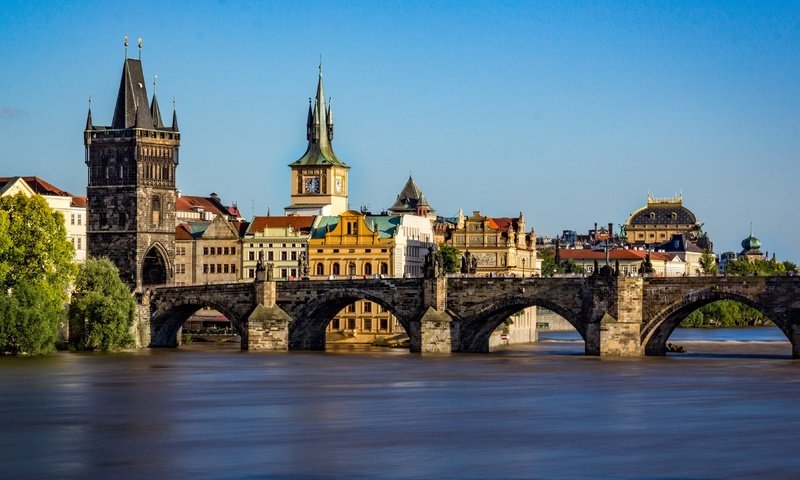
(319, 179)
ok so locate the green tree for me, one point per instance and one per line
(708, 264)
(102, 309)
(790, 267)
(743, 266)
(451, 257)
(35, 272)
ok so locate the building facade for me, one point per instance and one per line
(280, 241)
(208, 252)
(72, 208)
(659, 220)
(131, 184)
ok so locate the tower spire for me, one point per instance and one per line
(174, 116)
(89, 115)
(155, 112)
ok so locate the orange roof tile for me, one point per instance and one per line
(38, 186)
(79, 202)
(298, 222)
(615, 254)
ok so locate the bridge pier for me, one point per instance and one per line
(141, 330)
(436, 327)
(618, 331)
(267, 326)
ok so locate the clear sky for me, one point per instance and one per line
(570, 112)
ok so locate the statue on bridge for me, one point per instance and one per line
(434, 264)
(302, 265)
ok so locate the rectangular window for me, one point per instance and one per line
(319, 250)
(225, 268)
(351, 308)
(283, 255)
(219, 268)
(80, 219)
(367, 324)
(335, 324)
(251, 256)
(205, 268)
(384, 324)
(384, 250)
(294, 272)
(294, 255)
(79, 244)
(233, 268)
(205, 250)
(368, 250)
(335, 250)
(367, 307)
(233, 250)
(227, 251)
(72, 219)
(284, 273)
(251, 273)
(270, 256)
(351, 323)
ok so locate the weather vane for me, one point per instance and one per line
(126, 47)
(140, 48)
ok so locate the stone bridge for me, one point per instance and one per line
(615, 316)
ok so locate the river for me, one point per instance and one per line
(726, 409)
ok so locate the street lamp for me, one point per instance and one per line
(523, 268)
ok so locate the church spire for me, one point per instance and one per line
(132, 98)
(320, 115)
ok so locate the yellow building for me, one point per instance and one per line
(659, 220)
(279, 241)
(355, 245)
(499, 245)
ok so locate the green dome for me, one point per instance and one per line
(751, 243)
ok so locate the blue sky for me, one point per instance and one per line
(568, 111)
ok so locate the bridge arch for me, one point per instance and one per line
(307, 331)
(657, 330)
(168, 319)
(478, 327)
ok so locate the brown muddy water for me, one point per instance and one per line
(727, 409)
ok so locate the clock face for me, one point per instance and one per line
(312, 185)
(337, 186)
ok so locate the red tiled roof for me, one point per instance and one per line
(188, 203)
(298, 222)
(615, 254)
(503, 224)
(182, 232)
(38, 186)
(79, 202)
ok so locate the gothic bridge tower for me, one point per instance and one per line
(131, 184)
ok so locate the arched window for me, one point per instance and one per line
(335, 269)
(367, 268)
(156, 210)
(351, 268)
(320, 269)
(384, 268)
(349, 228)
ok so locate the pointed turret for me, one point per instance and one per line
(411, 200)
(89, 119)
(155, 112)
(319, 132)
(330, 119)
(174, 120)
(310, 122)
(132, 98)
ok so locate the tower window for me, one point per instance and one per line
(156, 210)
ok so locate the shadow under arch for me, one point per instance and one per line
(155, 267)
(166, 323)
(476, 330)
(657, 331)
(307, 331)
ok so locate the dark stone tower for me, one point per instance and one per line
(131, 185)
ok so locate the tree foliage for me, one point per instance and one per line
(549, 265)
(35, 272)
(708, 264)
(102, 309)
(742, 266)
(451, 257)
(725, 313)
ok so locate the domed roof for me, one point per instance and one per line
(663, 212)
(751, 243)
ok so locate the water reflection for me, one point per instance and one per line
(535, 411)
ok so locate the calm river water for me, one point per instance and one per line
(726, 409)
